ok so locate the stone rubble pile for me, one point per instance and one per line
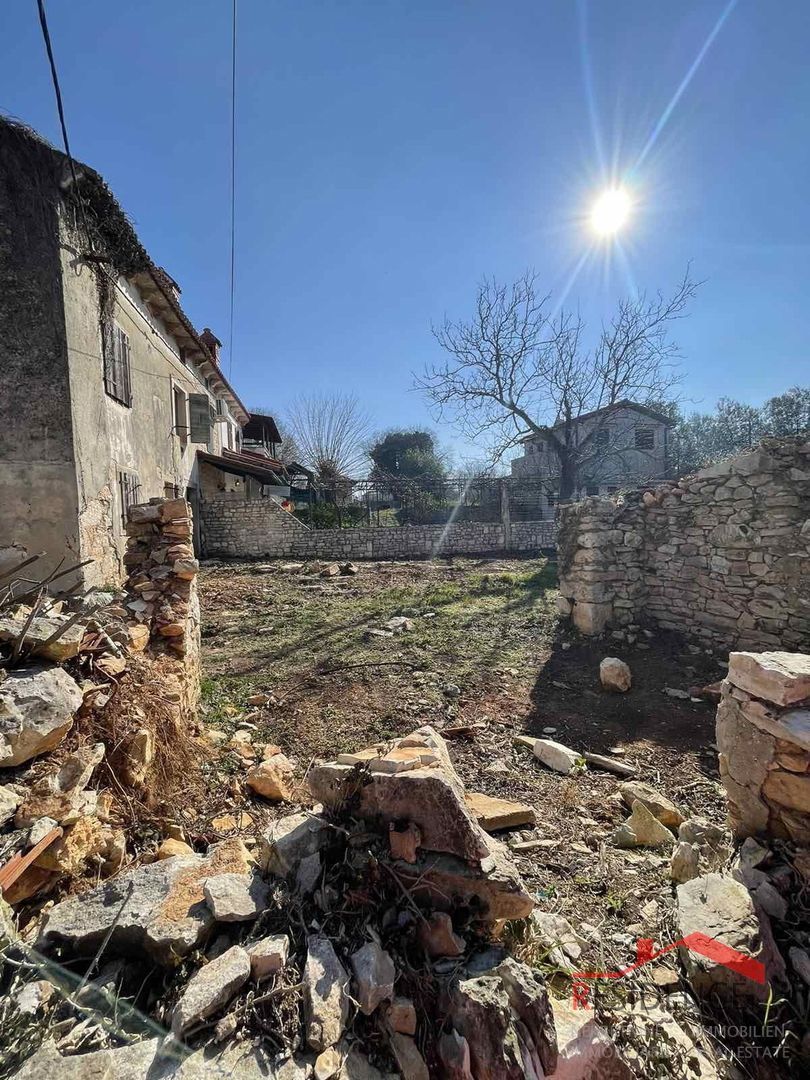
(62, 658)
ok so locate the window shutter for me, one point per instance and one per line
(200, 418)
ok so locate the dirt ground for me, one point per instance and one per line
(489, 627)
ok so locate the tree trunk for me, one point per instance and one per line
(568, 475)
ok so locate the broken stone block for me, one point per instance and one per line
(493, 814)
(308, 873)
(165, 911)
(65, 646)
(9, 801)
(718, 908)
(410, 1061)
(552, 754)
(481, 1013)
(558, 936)
(272, 778)
(426, 796)
(659, 805)
(529, 998)
(641, 830)
(404, 843)
(437, 937)
(268, 956)
(399, 624)
(495, 889)
(327, 1064)
(171, 847)
(374, 975)
(70, 852)
(584, 1048)
(615, 675)
(326, 1000)
(34, 996)
(401, 1016)
(290, 839)
(779, 677)
(211, 988)
(702, 847)
(36, 712)
(236, 897)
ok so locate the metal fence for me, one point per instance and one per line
(378, 504)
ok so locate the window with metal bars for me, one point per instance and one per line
(117, 381)
(128, 489)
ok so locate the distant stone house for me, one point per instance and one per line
(108, 394)
(627, 445)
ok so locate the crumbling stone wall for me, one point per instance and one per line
(763, 735)
(258, 528)
(722, 556)
(162, 589)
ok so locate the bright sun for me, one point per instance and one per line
(610, 211)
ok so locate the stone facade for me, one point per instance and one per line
(722, 556)
(763, 735)
(233, 526)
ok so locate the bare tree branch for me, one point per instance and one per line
(512, 371)
(331, 432)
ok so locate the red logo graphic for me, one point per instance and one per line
(699, 943)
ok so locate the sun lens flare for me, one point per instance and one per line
(610, 212)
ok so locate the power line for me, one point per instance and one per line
(233, 186)
(43, 22)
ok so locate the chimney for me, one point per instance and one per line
(212, 342)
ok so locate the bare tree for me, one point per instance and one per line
(332, 433)
(514, 371)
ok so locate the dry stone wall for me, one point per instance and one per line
(161, 590)
(763, 735)
(233, 526)
(722, 556)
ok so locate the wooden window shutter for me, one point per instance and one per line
(199, 418)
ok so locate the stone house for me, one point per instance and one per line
(108, 394)
(624, 445)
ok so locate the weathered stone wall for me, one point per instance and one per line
(723, 556)
(162, 588)
(763, 735)
(258, 528)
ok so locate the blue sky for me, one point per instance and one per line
(390, 154)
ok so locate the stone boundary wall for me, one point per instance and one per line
(722, 556)
(763, 736)
(233, 526)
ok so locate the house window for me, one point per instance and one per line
(220, 407)
(170, 491)
(229, 436)
(116, 366)
(182, 351)
(645, 438)
(128, 490)
(612, 489)
(180, 413)
(602, 438)
(592, 489)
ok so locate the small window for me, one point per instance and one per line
(182, 352)
(592, 489)
(612, 489)
(645, 438)
(220, 407)
(602, 438)
(180, 413)
(170, 491)
(128, 490)
(229, 436)
(116, 366)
